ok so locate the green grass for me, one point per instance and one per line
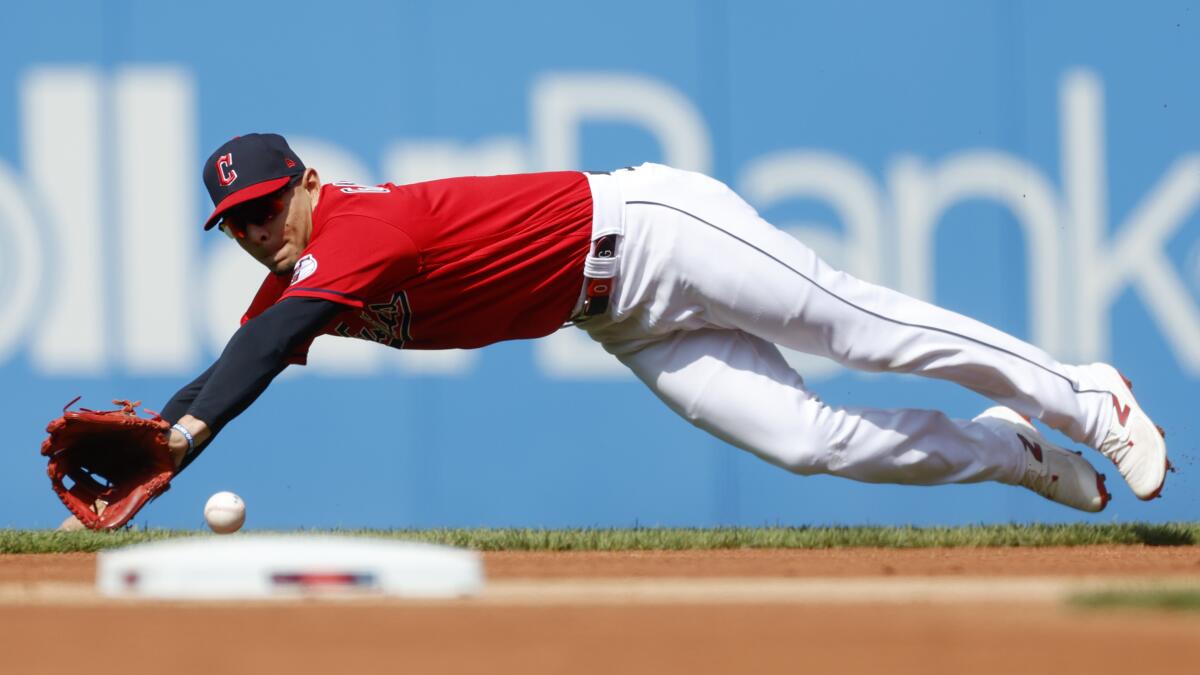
(1171, 599)
(642, 539)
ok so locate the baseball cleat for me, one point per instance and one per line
(1055, 473)
(1133, 442)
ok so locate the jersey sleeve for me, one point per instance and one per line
(270, 293)
(354, 258)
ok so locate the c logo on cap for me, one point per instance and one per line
(225, 172)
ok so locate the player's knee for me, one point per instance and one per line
(819, 446)
(805, 457)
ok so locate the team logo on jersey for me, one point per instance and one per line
(304, 268)
(387, 322)
(225, 172)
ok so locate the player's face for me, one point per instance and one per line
(275, 229)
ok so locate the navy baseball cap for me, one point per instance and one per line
(245, 168)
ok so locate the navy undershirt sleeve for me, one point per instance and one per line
(255, 354)
(178, 405)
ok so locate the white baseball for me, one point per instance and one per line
(225, 512)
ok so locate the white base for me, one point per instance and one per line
(248, 567)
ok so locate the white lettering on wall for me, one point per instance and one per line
(1136, 253)
(21, 261)
(921, 195)
(154, 187)
(413, 161)
(843, 185)
(86, 136)
(227, 285)
(561, 103)
(61, 121)
(1193, 266)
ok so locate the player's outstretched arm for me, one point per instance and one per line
(177, 407)
(256, 353)
(175, 412)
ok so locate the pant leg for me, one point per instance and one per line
(739, 388)
(696, 255)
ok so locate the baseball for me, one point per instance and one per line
(225, 512)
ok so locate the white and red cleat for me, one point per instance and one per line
(1055, 473)
(1133, 442)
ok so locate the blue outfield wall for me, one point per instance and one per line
(1035, 165)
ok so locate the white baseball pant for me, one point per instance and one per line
(706, 289)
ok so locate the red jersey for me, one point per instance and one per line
(454, 263)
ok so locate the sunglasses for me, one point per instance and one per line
(255, 212)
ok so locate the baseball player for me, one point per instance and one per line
(678, 278)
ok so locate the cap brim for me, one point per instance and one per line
(244, 195)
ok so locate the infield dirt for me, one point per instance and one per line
(941, 627)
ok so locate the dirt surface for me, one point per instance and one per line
(1117, 561)
(464, 637)
(602, 640)
(857, 562)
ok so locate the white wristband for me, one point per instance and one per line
(187, 435)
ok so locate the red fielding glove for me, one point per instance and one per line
(105, 465)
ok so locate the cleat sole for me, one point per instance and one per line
(1157, 494)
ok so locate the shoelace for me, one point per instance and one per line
(1117, 446)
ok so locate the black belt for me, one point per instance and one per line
(598, 290)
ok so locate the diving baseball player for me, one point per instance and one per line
(678, 278)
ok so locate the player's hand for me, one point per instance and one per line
(178, 443)
(71, 524)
